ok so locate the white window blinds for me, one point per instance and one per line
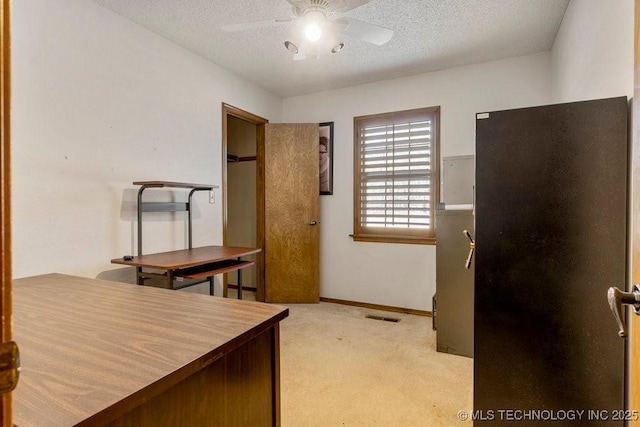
(395, 167)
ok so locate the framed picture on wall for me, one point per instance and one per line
(326, 158)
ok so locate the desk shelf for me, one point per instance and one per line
(172, 184)
(168, 206)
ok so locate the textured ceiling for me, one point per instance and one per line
(429, 35)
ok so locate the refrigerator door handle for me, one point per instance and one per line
(472, 249)
(617, 298)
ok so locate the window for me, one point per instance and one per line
(396, 176)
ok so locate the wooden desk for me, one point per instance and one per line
(104, 353)
(192, 264)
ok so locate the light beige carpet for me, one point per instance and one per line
(340, 369)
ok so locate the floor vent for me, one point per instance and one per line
(386, 319)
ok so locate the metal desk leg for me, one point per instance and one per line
(211, 291)
(239, 281)
(170, 279)
(139, 278)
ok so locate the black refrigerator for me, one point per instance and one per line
(551, 227)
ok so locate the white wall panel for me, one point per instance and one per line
(592, 56)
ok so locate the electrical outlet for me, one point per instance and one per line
(212, 197)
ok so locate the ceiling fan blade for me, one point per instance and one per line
(347, 5)
(365, 31)
(256, 24)
(299, 6)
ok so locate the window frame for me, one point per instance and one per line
(396, 235)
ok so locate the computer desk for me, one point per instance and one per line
(188, 267)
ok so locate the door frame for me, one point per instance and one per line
(5, 197)
(633, 373)
(231, 111)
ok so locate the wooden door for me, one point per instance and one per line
(633, 374)
(291, 217)
(5, 216)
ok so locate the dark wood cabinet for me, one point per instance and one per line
(551, 227)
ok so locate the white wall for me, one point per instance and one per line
(397, 274)
(592, 56)
(98, 103)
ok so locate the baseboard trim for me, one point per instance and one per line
(378, 307)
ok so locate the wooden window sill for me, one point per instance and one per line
(393, 239)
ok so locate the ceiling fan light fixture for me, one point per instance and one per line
(337, 48)
(291, 47)
(313, 32)
(314, 20)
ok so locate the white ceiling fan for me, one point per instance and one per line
(317, 28)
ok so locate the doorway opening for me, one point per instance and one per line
(243, 192)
